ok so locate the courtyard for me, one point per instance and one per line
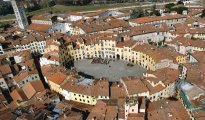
(114, 70)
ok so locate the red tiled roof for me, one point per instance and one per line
(57, 78)
(157, 18)
(39, 27)
(31, 88)
(5, 69)
(18, 94)
(21, 76)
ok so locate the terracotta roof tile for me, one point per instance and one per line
(31, 88)
(167, 109)
(157, 18)
(196, 73)
(18, 94)
(5, 69)
(117, 91)
(97, 88)
(157, 53)
(200, 56)
(21, 76)
(101, 24)
(102, 111)
(57, 78)
(182, 41)
(134, 85)
(39, 27)
(146, 29)
(128, 43)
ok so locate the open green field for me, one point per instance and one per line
(69, 9)
(3, 24)
(7, 17)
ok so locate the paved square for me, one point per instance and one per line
(114, 70)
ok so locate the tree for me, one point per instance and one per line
(203, 13)
(52, 3)
(180, 9)
(4, 25)
(153, 8)
(154, 11)
(169, 6)
(157, 13)
(6, 8)
(33, 8)
(180, 3)
(146, 13)
(137, 13)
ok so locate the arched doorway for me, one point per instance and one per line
(118, 56)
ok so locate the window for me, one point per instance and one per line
(75, 98)
(88, 101)
(132, 110)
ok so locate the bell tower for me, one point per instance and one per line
(19, 13)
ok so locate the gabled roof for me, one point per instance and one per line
(133, 85)
(57, 78)
(100, 24)
(18, 94)
(31, 88)
(5, 69)
(157, 18)
(21, 76)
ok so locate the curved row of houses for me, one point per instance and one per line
(108, 45)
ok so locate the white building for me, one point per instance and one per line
(148, 33)
(51, 58)
(46, 19)
(75, 16)
(34, 44)
(1, 49)
(62, 27)
(3, 84)
(25, 76)
(185, 45)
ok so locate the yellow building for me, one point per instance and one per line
(86, 92)
(181, 59)
(106, 45)
(55, 80)
(66, 52)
